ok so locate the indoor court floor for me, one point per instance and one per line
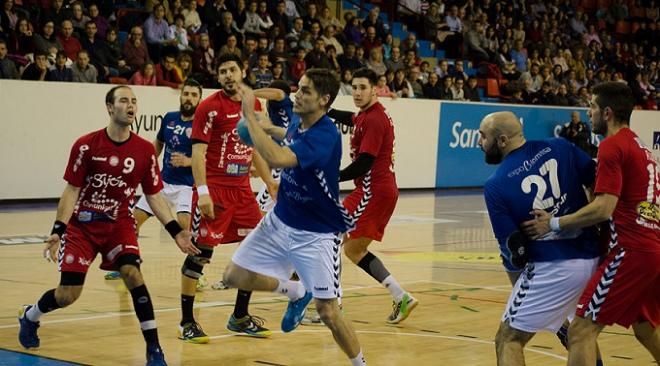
(439, 245)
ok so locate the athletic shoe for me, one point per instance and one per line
(248, 325)
(312, 317)
(202, 283)
(220, 285)
(27, 334)
(295, 313)
(192, 332)
(562, 334)
(402, 309)
(112, 275)
(155, 356)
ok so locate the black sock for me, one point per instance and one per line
(144, 310)
(374, 267)
(242, 302)
(187, 309)
(47, 303)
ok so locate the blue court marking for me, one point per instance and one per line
(13, 358)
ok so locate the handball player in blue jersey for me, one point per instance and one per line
(549, 273)
(301, 233)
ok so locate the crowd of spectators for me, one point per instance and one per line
(538, 52)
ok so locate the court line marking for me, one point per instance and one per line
(464, 339)
(202, 305)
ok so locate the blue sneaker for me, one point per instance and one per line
(27, 333)
(112, 275)
(295, 313)
(155, 356)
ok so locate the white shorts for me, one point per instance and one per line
(547, 293)
(179, 196)
(265, 201)
(277, 250)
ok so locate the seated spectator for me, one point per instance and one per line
(79, 19)
(395, 61)
(184, 66)
(471, 90)
(280, 20)
(442, 69)
(8, 18)
(458, 71)
(317, 57)
(332, 56)
(330, 39)
(262, 73)
(311, 15)
(401, 86)
(57, 13)
(432, 89)
(506, 63)
(38, 70)
(212, 14)
(446, 89)
(382, 90)
(424, 72)
(345, 85)
(353, 31)
(204, 67)
(371, 41)
(410, 43)
(191, 20)
(150, 5)
(220, 34)
(231, 47)
(293, 37)
(157, 33)
(327, 19)
(375, 61)
(457, 89)
(47, 42)
(21, 42)
(476, 45)
(262, 11)
(279, 54)
(99, 53)
(7, 67)
(83, 70)
(144, 76)
(349, 60)
(278, 71)
(135, 50)
(291, 10)
(178, 32)
(115, 52)
(298, 65)
(432, 21)
(578, 133)
(60, 71)
(69, 43)
(166, 74)
(306, 41)
(519, 56)
(102, 24)
(373, 20)
(388, 44)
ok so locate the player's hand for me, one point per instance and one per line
(205, 204)
(538, 226)
(180, 160)
(184, 241)
(272, 189)
(51, 247)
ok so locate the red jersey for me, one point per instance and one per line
(108, 174)
(228, 160)
(626, 169)
(373, 133)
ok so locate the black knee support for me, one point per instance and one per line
(194, 264)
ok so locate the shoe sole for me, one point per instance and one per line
(251, 335)
(411, 307)
(195, 340)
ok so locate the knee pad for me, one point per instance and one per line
(194, 264)
(129, 259)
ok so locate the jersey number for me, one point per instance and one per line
(654, 184)
(547, 170)
(129, 165)
(179, 130)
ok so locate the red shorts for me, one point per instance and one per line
(374, 219)
(625, 289)
(236, 214)
(82, 241)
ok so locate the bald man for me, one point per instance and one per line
(548, 274)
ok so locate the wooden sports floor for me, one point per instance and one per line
(439, 245)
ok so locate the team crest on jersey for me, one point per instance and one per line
(114, 161)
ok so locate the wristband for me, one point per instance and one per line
(201, 190)
(554, 224)
(58, 228)
(173, 228)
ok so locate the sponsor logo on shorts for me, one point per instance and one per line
(84, 262)
(132, 247)
(217, 236)
(244, 231)
(203, 232)
(320, 288)
(69, 258)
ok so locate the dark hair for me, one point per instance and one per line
(193, 83)
(228, 57)
(281, 85)
(110, 96)
(179, 16)
(618, 97)
(325, 82)
(368, 74)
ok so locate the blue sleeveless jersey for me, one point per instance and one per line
(175, 135)
(549, 175)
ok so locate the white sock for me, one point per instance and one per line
(393, 287)
(359, 360)
(294, 290)
(33, 314)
